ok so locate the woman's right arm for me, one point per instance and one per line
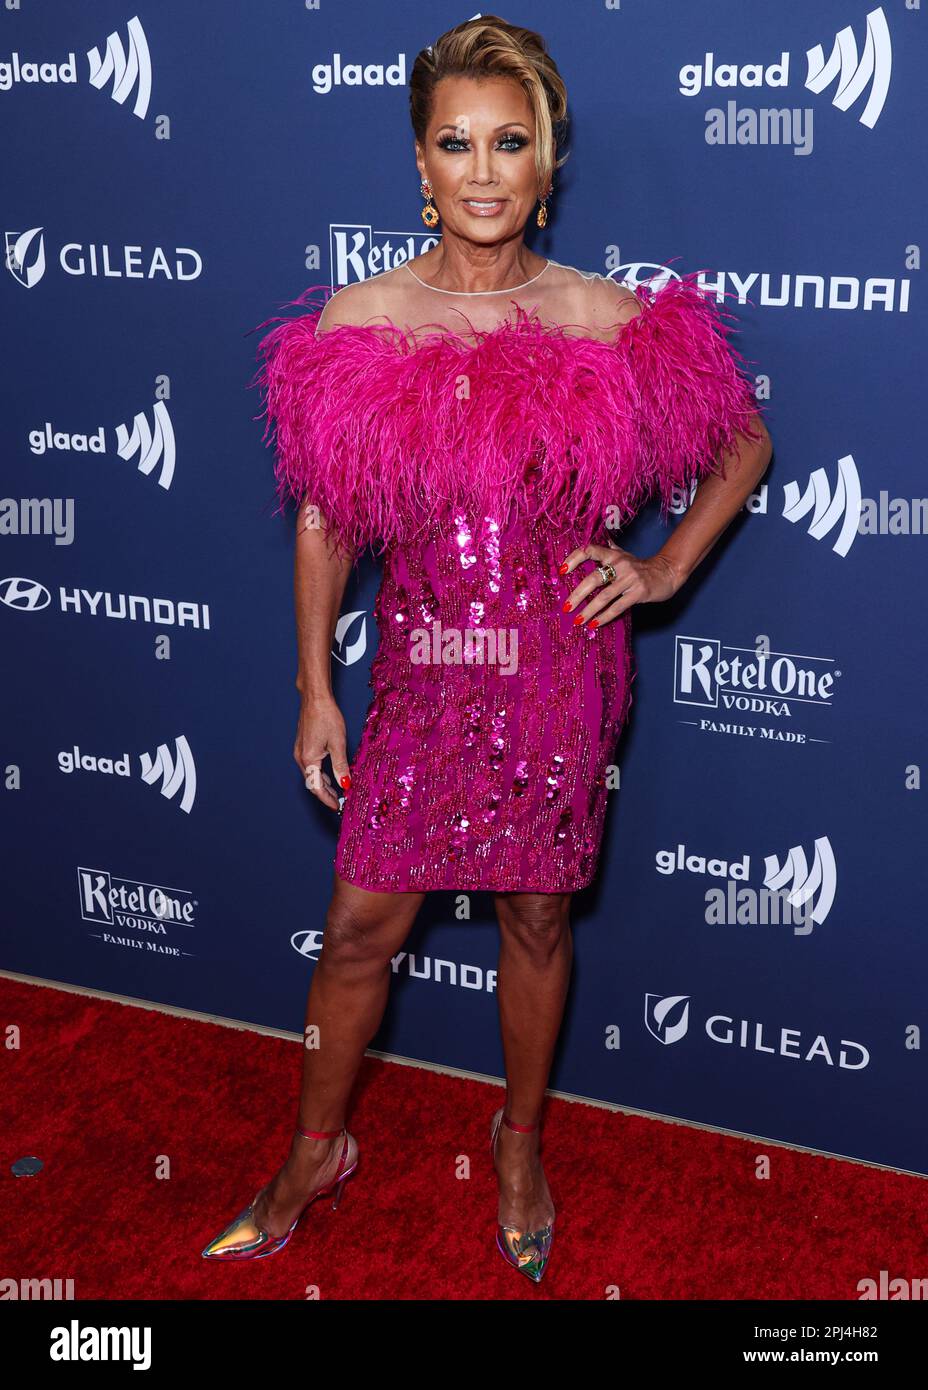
(320, 574)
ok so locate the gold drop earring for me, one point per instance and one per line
(542, 218)
(430, 211)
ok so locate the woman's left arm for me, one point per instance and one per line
(658, 577)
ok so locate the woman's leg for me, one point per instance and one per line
(536, 954)
(347, 998)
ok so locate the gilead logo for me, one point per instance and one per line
(350, 641)
(27, 262)
(785, 1042)
(667, 1018)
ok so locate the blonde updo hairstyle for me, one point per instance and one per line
(489, 47)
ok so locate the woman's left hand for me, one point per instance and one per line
(636, 580)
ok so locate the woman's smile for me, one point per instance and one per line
(485, 207)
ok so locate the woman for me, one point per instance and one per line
(487, 417)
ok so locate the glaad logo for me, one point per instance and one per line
(666, 1018)
(130, 906)
(802, 884)
(841, 508)
(126, 69)
(26, 261)
(740, 124)
(852, 73)
(816, 885)
(338, 74)
(153, 443)
(154, 446)
(843, 513)
(349, 652)
(177, 772)
(358, 252)
(853, 514)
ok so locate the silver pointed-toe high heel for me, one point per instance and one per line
(527, 1251)
(243, 1238)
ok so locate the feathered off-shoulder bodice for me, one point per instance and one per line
(383, 430)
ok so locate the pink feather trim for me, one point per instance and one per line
(383, 431)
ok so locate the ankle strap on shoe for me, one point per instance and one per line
(519, 1129)
(319, 1133)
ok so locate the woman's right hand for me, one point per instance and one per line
(321, 732)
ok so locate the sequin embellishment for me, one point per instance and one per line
(466, 777)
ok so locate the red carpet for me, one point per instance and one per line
(100, 1091)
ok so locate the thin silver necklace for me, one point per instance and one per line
(466, 294)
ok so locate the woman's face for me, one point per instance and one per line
(479, 157)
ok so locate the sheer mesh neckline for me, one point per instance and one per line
(473, 294)
(543, 305)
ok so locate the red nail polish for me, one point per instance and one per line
(578, 619)
(562, 569)
(345, 781)
(594, 622)
(566, 608)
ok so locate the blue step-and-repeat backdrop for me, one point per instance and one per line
(172, 175)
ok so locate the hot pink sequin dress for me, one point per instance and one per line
(475, 459)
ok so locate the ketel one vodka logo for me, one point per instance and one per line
(359, 252)
(667, 1018)
(124, 906)
(733, 681)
